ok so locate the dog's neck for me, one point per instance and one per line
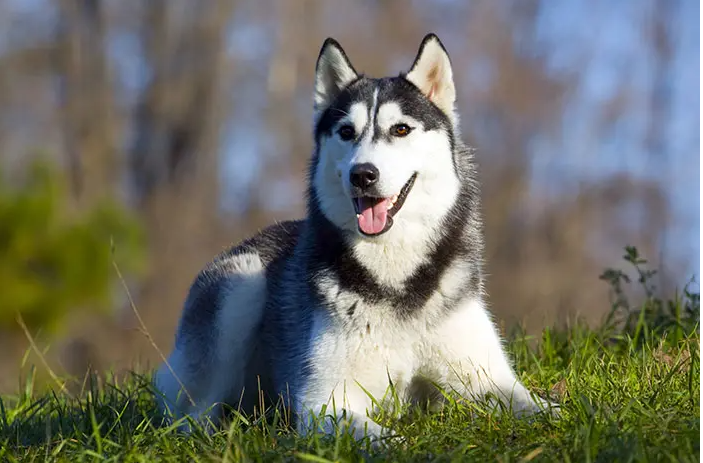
(389, 271)
(392, 259)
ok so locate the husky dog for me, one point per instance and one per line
(380, 284)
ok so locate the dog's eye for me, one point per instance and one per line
(400, 130)
(346, 132)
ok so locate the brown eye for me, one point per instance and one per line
(400, 130)
(346, 132)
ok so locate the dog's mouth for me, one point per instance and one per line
(375, 215)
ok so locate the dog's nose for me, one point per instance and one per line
(364, 175)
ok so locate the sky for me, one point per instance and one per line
(613, 43)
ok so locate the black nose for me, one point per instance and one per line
(363, 175)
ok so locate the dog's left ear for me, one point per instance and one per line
(432, 74)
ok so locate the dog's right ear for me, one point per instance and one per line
(333, 72)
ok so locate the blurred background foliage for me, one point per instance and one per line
(170, 129)
(54, 261)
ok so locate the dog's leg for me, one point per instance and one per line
(477, 365)
(237, 331)
(329, 383)
(215, 341)
(346, 406)
(180, 387)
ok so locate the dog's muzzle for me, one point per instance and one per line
(374, 213)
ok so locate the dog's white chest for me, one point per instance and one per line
(370, 352)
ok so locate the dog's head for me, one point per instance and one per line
(384, 162)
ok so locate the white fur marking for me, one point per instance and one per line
(358, 116)
(372, 115)
(221, 380)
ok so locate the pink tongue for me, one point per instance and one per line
(372, 220)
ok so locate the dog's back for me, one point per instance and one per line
(219, 326)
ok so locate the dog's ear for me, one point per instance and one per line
(432, 74)
(333, 72)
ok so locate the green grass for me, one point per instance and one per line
(629, 391)
(621, 402)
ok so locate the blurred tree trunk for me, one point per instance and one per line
(177, 119)
(174, 156)
(86, 114)
(285, 163)
(656, 138)
(86, 98)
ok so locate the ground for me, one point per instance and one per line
(629, 391)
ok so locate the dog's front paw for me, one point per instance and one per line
(536, 407)
(359, 427)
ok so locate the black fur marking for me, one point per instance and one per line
(352, 309)
(390, 89)
(270, 243)
(357, 90)
(330, 42)
(307, 369)
(199, 312)
(423, 392)
(475, 283)
(412, 103)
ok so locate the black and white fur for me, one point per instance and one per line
(324, 314)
